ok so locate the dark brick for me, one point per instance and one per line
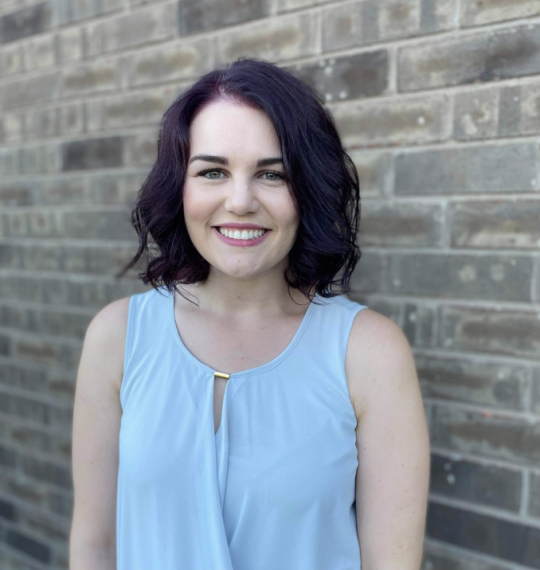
(534, 495)
(487, 57)
(535, 397)
(400, 225)
(25, 22)
(497, 277)
(515, 333)
(419, 324)
(28, 546)
(8, 457)
(482, 383)
(92, 153)
(476, 483)
(440, 558)
(369, 274)
(196, 16)
(7, 511)
(488, 434)
(507, 168)
(60, 504)
(500, 224)
(348, 77)
(503, 539)
(5, 345)
(475, 12)
(47, 472)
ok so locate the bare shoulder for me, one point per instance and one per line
(379, 360)
(105, 338)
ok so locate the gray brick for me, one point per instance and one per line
(25, 92)
(473, 482)
(11, 60)
(39, 159)
(502, 332)
(495, 224)
(520, 110)
(28, 546)
(374, 171)
(116, 188)
(138, 28)
(92, 153)
(170, 62)
(372, 123)
(535, 395)
(18, 376)
(437, 16)
(40, 52)
(482, 383)
(369, 274)
(418, 323)
(141, 149)
(534, 497)
(491, 435)
(195, 16)
(10, 161)
(25, 22)
(76, 10)
(70, 45)
(47, 472)
(95, 77)
(502, 168)
(64, 190)
(43, 122)
(400, 225)
(16, 193)
(348, 77)
(274, 40)
(486, 57)
(98, 224)
(71, 119)
(60, 504)
(8, 457)
(495, 277)
(13, 126)
(474, 13)
(485, 534)
(476, 114)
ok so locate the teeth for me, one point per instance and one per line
(244, 234)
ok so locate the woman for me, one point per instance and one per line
(244, 414)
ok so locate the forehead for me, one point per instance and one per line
(224, 125)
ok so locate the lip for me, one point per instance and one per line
(241, 242)
(239, 226)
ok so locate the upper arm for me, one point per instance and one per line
(96, 424)
(393, 444)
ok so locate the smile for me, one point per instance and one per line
(241, 234)
(241, 237)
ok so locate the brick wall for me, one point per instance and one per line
(437, 101)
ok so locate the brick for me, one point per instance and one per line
(9, 161)
(8, 511)
(128, 110)
(487, 434)
(374, 171)
(76, 10)
(71, 119)
(475, 483)
(520, 110)
(59, 504)
(16, 194)
(495, 277)
(486, 57)
(170, 62)
(285, 5)
(29, 546)
(486, 534)
(11, 60)
(437, 16)
(495, 224)
(514, 333)
(116, 187)
(369, 274)
(8, 457)
(534, 495)
(418, 324)
(141, 149)
(46, 352)
(195, 16)
(502, 168)
(535, 396)
(400, 225)
(349, 77)
(90, 78)
(373, 123)
(98, 224)
(21, 488)
(39, 159)
(18, 376)
(70, 45)
(29, 91)
(486, 384)
(474, 12)
(274, 40)
(138, 28)
(441, 558)
(476, 114)
(92, 153)
(13, 126)
(25, 408)
(62, 190)
(40, 52)
(25, 22)
(43, 122)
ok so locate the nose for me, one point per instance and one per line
(241, 198)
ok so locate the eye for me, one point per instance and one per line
(208, 170)
(274, 173)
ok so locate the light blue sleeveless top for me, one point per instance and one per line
(274, 488)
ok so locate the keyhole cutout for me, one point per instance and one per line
(220, 383)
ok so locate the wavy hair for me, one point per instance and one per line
(321, 176)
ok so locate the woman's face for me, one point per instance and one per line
(238, 209)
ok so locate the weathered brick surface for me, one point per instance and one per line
(479, 12)
(476, 483)
(534, 502)
(437, 557)
(484, 383)
(25, 22)
(502, 168)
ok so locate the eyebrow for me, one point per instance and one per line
(224, 160)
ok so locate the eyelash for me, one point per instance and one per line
(202, 172)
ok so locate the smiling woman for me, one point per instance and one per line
(243, 413)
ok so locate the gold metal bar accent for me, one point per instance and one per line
(222, 375)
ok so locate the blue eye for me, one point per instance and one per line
(279, 175)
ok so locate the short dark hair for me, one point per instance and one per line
(321, 176)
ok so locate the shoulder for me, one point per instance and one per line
(105, 338)
(379, 360)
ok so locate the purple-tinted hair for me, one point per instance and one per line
(321, 176)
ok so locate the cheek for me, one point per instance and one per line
(196, 208)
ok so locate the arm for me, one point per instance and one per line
(96, 424)
(392, 438)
